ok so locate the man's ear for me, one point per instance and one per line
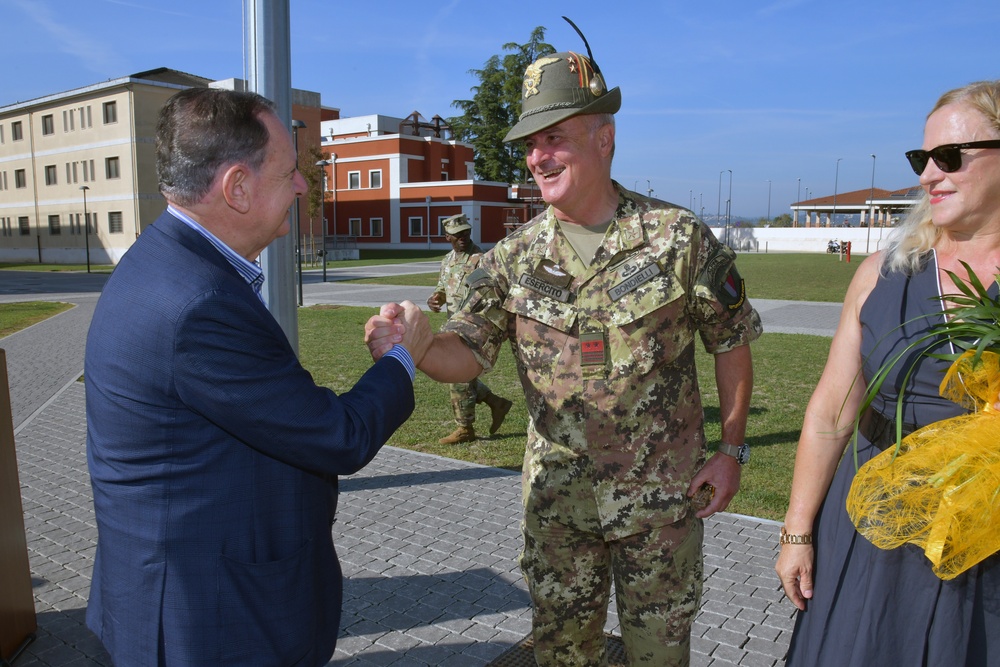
(236, 187)
(606, 134)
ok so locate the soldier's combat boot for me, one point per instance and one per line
(464, 433)
(499, 407)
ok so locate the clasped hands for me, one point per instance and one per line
(399, 324)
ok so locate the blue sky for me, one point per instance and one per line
(774, 90)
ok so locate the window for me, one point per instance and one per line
(68, 121)
(5, 225)
(111, 169)
(110, 112)
(24, 225)
(440, 225)
(54, 229)
(416, 226)
(16, 133)
(20, 179)
(1, 134)
(48, 125)
(50, 174)
(376, 226)
(354, 180)
(3, 180)
(74, 223)
(354, 226)
(444, 175)
(375, 179)
(115, 222)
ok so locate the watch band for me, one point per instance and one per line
(730, 450)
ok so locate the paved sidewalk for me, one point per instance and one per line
(428, 544)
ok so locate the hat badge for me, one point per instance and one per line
(533, 75)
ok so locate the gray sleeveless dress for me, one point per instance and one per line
(876, 607)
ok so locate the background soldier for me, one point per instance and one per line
(450, 292)
(601, 298)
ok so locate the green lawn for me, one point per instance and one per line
(31, 266)
(17, 316)
(792, 276)
(786, 369)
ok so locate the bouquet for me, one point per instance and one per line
(939, 488)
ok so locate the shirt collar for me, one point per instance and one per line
(250, 271)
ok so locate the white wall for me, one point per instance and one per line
(803, 239)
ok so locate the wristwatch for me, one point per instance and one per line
(739, 452)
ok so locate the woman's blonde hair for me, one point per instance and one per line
(916, 235)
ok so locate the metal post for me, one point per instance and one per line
(836, 176)
(729, 204)
(322, 164)
(427, 200)
(718, 204)
(871, 208)
(296, 124)
(270, 72)
(86, 224)
(768, 201)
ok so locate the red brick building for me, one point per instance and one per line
(391, 181)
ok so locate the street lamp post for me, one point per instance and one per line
(836, 176)
(718, 204)
(871, 208)
(86, 224)
(427, 200)
(322, 164)
(798, 200)
(769, 201)
(729, 204)
(296, 124)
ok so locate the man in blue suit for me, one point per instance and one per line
(213, 455)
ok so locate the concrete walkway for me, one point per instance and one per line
(428, 545)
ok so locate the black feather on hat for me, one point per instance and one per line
(560, 86)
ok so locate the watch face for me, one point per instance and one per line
(743, 456)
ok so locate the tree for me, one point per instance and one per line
(313, 174)
(494, 108)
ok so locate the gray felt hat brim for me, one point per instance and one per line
(545, 114)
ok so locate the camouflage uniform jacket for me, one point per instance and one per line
(606, 357)
(454, 268)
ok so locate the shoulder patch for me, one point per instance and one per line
(723, 280)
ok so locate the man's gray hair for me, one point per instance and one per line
(202, 129)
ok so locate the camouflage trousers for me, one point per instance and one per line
(464, 397)
(658, 581)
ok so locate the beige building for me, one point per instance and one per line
(92, 148)
(94, 142)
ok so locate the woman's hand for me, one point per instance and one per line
(795, 571)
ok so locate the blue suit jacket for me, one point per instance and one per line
(211, 454)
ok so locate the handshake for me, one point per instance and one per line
(399, 324)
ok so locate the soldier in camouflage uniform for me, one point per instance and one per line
(450, 292)
(600, 298)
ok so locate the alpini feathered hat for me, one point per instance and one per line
(560, 86)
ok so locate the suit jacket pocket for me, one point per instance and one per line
(266, 610)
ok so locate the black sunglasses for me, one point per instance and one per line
(948, 157)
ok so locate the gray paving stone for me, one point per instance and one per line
(428, 545)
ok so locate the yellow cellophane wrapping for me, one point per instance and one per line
(941, 490)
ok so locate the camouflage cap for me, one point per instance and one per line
(456, 224)
(560, 86)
